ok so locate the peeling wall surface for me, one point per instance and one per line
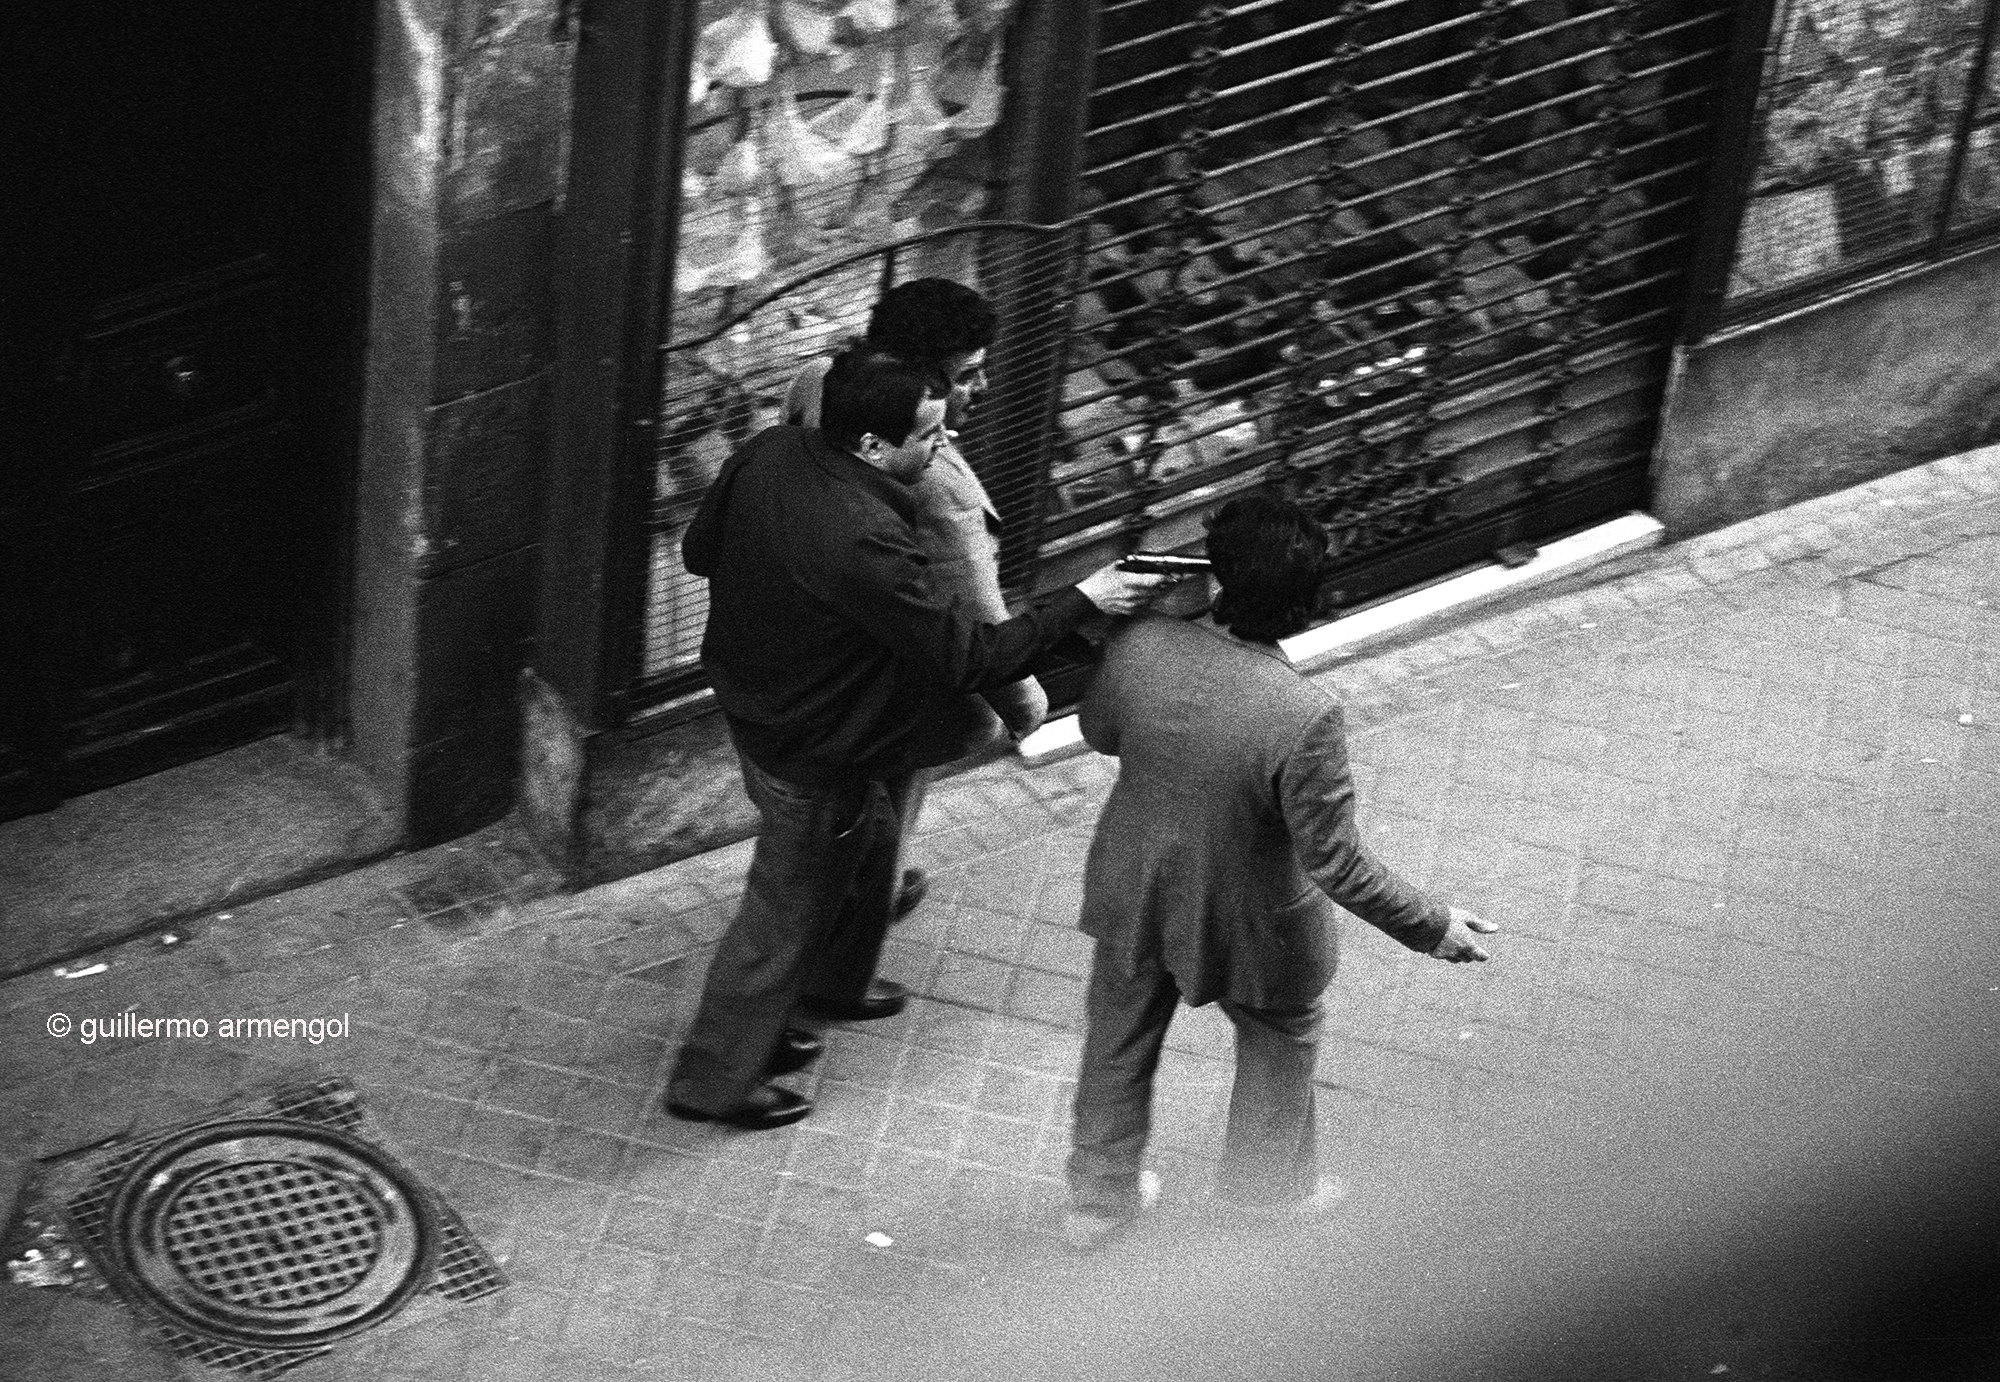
(1830, 398)
(510, 109)
(657, 799)
(553, 752)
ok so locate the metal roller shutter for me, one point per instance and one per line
(1417, 263)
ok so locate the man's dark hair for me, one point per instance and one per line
(927, 319)
(1268, 554)
(871, 391)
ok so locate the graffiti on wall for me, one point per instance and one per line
(816, 129)
(1864, 104)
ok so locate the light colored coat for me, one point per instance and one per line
(959, 530)
(1230, 834)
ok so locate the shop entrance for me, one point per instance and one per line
(1419, 264)
(184, 352)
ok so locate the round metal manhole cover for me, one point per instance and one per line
(271, 1232)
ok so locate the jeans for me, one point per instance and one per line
(1269, 1155)
(815, 908)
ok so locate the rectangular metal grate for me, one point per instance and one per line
(464, 1271)
(87, 1212)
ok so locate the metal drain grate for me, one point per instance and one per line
(273, 1234)
(254, 1243)
(270, 1231)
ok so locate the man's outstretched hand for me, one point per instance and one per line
(1457, 945)
(1122, 592)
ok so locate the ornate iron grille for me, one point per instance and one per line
(1416, 263)
(724, 382)
(1874, 145)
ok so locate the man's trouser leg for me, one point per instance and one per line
(913, 805)
(802, 868)
(844, 960)
(1269, 1155)
(1126, 1019)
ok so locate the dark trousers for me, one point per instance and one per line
(1268, 1153)
(815, 908)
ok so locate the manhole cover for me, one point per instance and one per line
(271, 1232)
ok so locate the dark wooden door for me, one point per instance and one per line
(184, 355)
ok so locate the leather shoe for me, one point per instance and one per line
(910, 893)
(885, 998)
(1087, 1231)
(796, 1050)
(767, 1107)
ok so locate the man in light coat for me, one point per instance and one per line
(1215, 873)
(944, 328)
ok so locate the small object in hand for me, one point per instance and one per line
(1163, 564)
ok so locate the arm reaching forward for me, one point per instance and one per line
(1317, 791)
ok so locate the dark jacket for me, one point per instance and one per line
(828, 645)
(959, 530)
(1230, 833)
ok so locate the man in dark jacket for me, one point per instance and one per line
(828, 645)
(946, 328)
(1215, 868)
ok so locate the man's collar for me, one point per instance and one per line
(1275, 651)
(835, 458)
(848, 467)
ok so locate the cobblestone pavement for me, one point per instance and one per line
(1721, 1105)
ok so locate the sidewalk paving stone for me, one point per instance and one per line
(1723, 801)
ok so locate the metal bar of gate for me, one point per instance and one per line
(1558, 240)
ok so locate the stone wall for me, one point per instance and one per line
(1844, 393)
(471, 108)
